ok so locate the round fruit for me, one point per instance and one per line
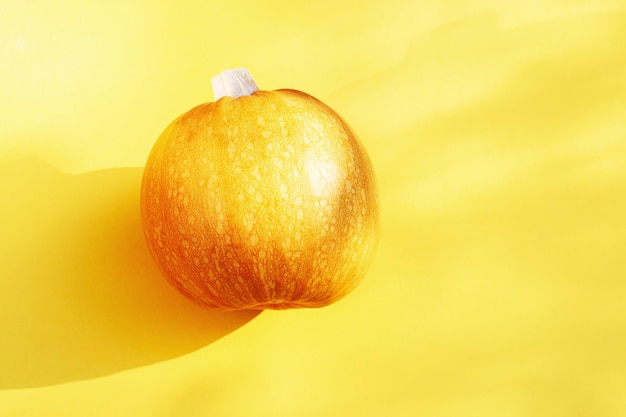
(261, 199)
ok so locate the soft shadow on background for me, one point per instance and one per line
(80, 294)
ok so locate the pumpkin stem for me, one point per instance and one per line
(234, 83)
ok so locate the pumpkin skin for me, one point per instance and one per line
(265, 201)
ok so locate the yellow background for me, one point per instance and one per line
(498, 134)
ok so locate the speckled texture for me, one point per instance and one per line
(264, 201)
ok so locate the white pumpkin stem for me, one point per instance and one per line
(234, 83)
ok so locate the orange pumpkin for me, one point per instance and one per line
(261, 199)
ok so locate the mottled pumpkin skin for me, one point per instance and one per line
(265, 201)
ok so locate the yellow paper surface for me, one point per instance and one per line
(498, 135)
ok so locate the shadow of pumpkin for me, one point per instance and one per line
(81, 297)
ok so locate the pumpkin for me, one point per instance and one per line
(260, 200)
